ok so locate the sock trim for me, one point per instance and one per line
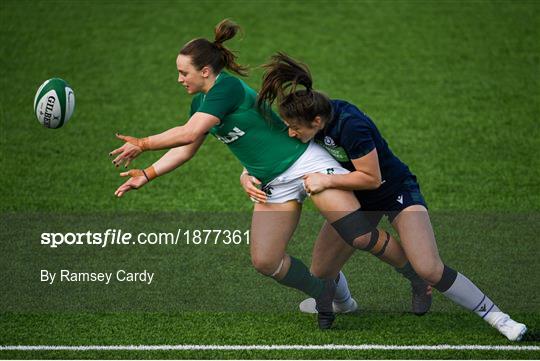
(493, 305)
(483, 298)
(346, 300)
(447, 280)
(279, 268)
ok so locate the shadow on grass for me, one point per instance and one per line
(531, 336)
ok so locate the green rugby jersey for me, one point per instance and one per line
(262, 146)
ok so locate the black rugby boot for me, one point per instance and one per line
(325, 316)
(421, 297)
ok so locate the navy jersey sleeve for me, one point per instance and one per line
(356, 138)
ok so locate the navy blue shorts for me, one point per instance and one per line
(408, 194)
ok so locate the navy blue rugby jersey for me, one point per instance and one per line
(350, 135)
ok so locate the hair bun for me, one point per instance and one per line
(225, 30)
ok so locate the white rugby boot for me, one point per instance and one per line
(514, 331)
(308, 306)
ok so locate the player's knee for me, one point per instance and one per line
(364, 242)
(430, 270)
(374, 242)
(265, 265)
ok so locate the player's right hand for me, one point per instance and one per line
(136, 181)
(250, 183)
(130, 150)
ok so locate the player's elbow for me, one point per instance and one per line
(184, 136)
(190, 138)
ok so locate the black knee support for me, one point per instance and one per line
(372, 241)
(354, 225)
(383, 249)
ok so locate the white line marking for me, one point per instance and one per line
(264, 347)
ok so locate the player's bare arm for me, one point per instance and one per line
(195, 129)
(171, 160)
(367, 176)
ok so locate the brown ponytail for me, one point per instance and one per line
(281, 80)
(206, 53)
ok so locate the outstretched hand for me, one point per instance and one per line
(129, 151)
(137, 180)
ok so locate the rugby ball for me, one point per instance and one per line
(54, 103)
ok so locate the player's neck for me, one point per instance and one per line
(210, 81)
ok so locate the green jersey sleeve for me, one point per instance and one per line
(223, 98)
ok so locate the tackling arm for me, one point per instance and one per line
(366, 176)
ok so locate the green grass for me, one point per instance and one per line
(453, 86)
(257, 328)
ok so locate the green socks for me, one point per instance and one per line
(408, 272)
(300, 278)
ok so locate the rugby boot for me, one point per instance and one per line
(421, 297)
(350, 306)
(514, 331)
(325, 316)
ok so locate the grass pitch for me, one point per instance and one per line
(453, 87)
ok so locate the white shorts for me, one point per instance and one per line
(289, 185)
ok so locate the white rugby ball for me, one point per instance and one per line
(54, 103)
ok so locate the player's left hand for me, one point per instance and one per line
(315, 182)
(137, 180)
(129, 151)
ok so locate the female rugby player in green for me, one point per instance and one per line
(354, 140)
(226, 107)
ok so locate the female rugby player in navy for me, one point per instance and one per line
(382, 183)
